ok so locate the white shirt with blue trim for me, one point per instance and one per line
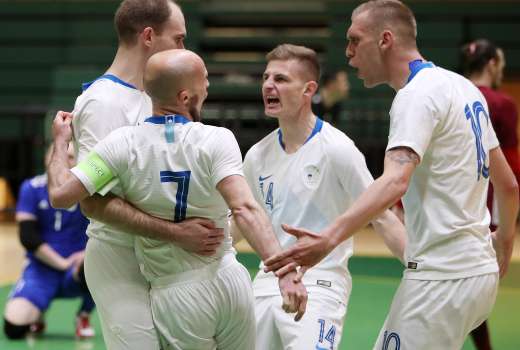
(444, 118)
(106, 105)
(171, 170)
(308, 189)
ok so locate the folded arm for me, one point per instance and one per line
(31, 240)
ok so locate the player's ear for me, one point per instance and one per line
(183, 97)
(310, 88)
(386, 40)
(146, 36)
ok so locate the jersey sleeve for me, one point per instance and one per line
(351, 168)
(99, 171)
(413, 118)
(250, 176)
(93, 122)
(27, 200)
(226, 159)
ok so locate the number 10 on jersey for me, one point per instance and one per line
(182, 178)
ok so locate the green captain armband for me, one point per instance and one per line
(96, 170)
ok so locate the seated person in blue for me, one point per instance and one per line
(55, 240)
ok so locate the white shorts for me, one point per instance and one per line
(212, 310)
(319, 329)
(122, 296)
(435, 315)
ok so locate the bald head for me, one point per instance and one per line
(170, 72)
(390, 15)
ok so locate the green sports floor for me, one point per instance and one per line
(375, 281)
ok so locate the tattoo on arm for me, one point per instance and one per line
(403, 155)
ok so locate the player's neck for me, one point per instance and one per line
(171, 110)
(296, 130)
(128, 65)
(399, 68)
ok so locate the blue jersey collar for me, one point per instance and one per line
(416, 66)
(317, 129)
(168, 121)
(170, 118)
(115, 79)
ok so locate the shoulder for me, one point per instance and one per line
(264, 145)
(207, 133)
(101, 95)
(336, 142)
(429, 81)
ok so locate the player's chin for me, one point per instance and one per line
(274, 113)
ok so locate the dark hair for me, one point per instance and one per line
(391, 14)
(133, 16)
(476, 55)
(302, 54)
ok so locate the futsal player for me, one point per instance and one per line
(55, 241)
(442, 152)
(306, 173)
(114, 100)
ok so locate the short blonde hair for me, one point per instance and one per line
(306, 56)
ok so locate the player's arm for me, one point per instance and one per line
(254, 224)
(236, 233)
(400, 163)
(196, 235)
(65, 189)
(248, 216)
(505, 189)
(31, 240)
(392, 231)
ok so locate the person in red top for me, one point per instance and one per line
(483, 63)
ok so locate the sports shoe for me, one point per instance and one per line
(83, 328)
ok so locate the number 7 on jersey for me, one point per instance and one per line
(182, 178)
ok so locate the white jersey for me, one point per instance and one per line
(106, 105)
(443, 117)
(308, 189)
(172, 176)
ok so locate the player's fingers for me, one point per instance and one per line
(278, 265)
(216, 233)
(207, 252)
(292, 230)
(286, 301)
(212, 243)
(299, 274)
(292, 266)
(301, 308)
(278, 260)
(206, 223)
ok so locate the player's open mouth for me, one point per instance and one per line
(272, 100)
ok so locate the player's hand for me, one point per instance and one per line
(62, 126)
(199, 236)
(504, 251)
(76, 259)
(294, 295)
(310, 249)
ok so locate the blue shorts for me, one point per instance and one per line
(40, 284)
